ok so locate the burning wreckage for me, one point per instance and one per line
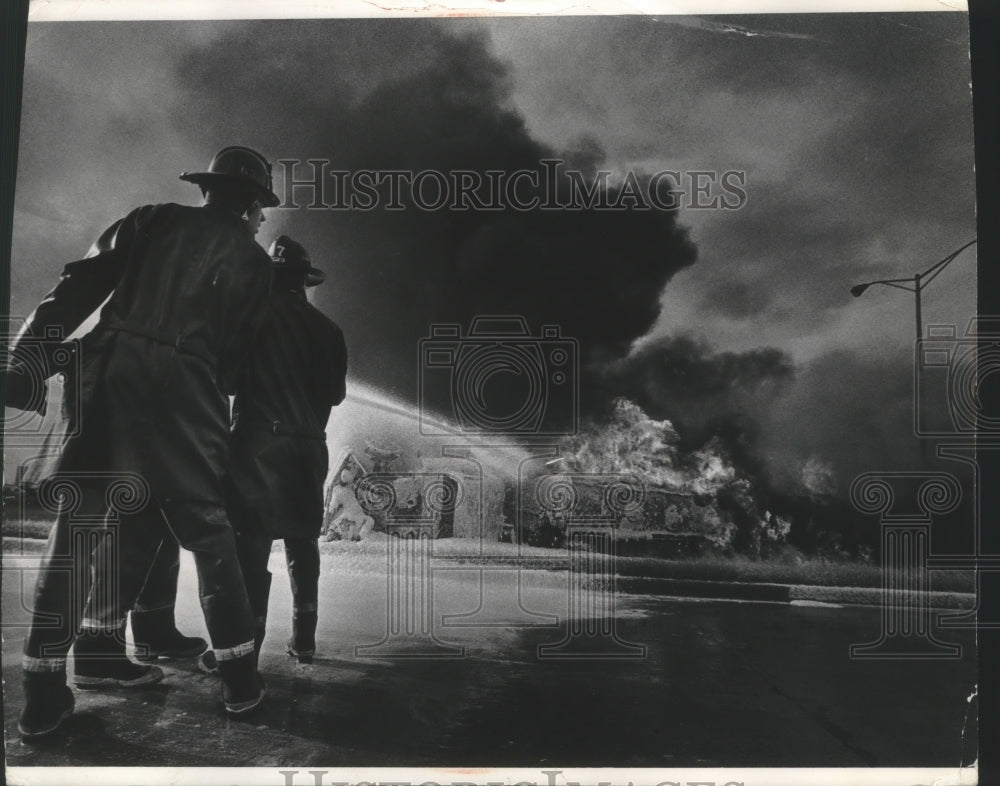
(625, 478)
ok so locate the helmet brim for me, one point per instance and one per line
(314, 276)
(267, 198)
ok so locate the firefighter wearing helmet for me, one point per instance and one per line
(186, 289)
(295, 375)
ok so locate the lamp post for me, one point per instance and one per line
(906, 617)
(914, 283)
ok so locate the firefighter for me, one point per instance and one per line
(154, 630)
(188, 288)
(278, 451)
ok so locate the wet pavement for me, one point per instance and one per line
(720, 683)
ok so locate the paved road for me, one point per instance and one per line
(721, 683)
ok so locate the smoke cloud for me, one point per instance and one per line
(807, 428)
(444, 105)
(703, 393)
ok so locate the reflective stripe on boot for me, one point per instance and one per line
(243, 689)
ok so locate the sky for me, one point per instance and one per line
(853, 133)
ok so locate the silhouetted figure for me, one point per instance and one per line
(188, 288)
(296, 374)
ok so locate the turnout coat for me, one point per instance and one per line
(279, 460)
(188, 288)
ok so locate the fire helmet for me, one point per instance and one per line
(239, 166)
(287, 254)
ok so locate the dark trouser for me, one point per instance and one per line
(160, 589)
(302, 559)
(121, 562)
(65, 575)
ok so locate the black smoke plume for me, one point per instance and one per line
(704, 394)
(418, 95)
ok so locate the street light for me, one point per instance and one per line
(904, 542)
(914, 283)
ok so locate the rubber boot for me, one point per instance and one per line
(48, 701)
(209, 664)
(100, 661)
(156, 636)
(243, 689)
(302, 644)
